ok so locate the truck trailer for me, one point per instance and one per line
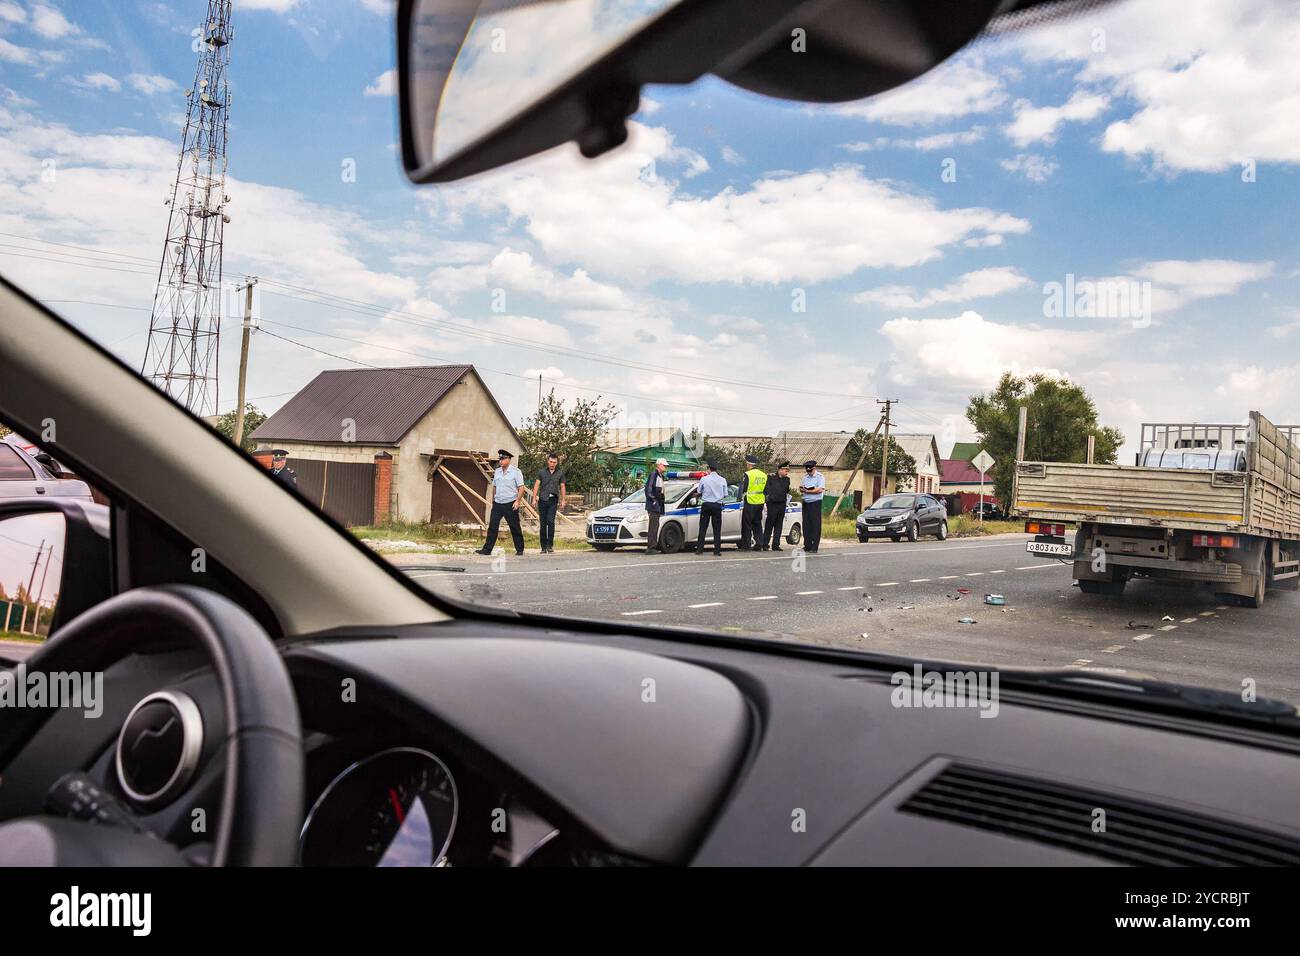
(1213, 504)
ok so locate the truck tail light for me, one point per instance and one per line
(1042, 527)
(1214, 541)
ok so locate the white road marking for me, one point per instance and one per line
(886, 584)
(1113, 648)
(1207, 614)
(974, 574)
(949, 577)
(801, 593)
(918, 580)
(765, 597)
(639, 613)
(689, 562)
(1170, 627)
(1143, 637)
(1189, 620)
(707, 604)
(1000, 571)
(1031, 567)
(851, 587)
(1081, 662)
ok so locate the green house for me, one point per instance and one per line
(635, 450)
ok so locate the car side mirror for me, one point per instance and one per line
(47, 461)
(56, 563)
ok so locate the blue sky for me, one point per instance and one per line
(1162, 150)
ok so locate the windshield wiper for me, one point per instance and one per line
(1160, 695)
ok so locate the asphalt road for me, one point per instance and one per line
(907, 599)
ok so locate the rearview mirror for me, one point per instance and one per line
(483, 83)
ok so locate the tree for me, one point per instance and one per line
(574, 435)
(1061, 417)
(253, 418)
(901, 465)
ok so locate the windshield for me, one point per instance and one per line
(894, 501)
(1091, 222)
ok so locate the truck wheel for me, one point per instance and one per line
(913, 532)
(671, 539)
(795, 535)
(1102, 587)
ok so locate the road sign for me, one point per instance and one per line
(983, 461)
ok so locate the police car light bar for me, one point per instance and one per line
(685, 474)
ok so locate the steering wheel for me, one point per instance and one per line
(262, 791)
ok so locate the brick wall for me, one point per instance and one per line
(383, 485)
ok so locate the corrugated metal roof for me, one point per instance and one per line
(964, 450)
(384, 402)
(958, 471)
(737, 442)
(620, 440)
(826, 448)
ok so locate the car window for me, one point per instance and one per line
(1086, 220)
(12, 466)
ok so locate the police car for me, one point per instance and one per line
(625, 522)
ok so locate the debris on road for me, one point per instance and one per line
(1137, 627)
(966, 620)
(1166, 618)
(994, 599)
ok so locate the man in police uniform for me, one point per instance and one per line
(813, 486)
(507, 494)
(753, 491)
(280, 469)
(778, 494)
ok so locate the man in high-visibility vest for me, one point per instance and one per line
(753, 492)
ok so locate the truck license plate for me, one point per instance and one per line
(1047, 547)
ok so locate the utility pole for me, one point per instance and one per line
(884, 449)
(31, 582)
(539, 391)
(249, 282)
(41, 593)
(862, 457)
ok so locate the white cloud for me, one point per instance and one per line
(1035, 168)
(385, 84)
(51, 24)
(980, 284)
(275, 6)
(1177, 281)
(796, 227)
(99, 81)
(923, 143)
(959, 89)
(150, 84)
(731, 157)
(1033, 124)
(12, 12)
(1219, 88)
(968, 351)
(13, 53)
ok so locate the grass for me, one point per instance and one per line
(390, 538)
(21, 638)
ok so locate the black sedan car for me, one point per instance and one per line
(903, 516)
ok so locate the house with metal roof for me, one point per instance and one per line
(633, 451)
(368, 443)
(925, 452)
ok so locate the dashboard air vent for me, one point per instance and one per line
(1136, 831)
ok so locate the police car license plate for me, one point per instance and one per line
(608, 530)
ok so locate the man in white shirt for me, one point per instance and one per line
(713, 491)
(507, 494)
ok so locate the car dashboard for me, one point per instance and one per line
(481, 743)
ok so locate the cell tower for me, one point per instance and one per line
(181, 357)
